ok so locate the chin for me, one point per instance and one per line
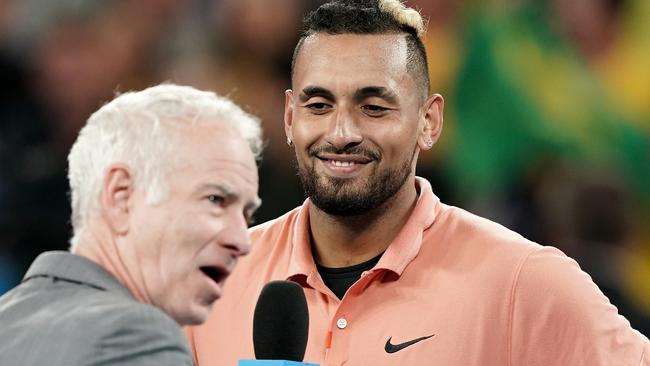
(191, 319)
(195, 321)
(197, 315)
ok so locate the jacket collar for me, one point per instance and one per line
(74, 268)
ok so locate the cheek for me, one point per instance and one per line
(192, 236)
(175, 246)
(395, 145)
(307, 129)
(302, 139)
(400, 136)
(149, 236)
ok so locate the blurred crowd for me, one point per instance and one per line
(547, 123)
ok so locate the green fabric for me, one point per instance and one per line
(524, 96)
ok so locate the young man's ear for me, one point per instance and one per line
(431, 121)
(288, 115)
(117, 191)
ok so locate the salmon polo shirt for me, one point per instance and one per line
(452, 289)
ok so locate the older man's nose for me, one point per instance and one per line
(236, 236)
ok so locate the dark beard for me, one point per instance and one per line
(338, 197)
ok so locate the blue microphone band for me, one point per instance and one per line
(273, 363)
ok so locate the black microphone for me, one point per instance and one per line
(281, 322)
(280, 325)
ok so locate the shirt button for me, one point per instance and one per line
(341, 323)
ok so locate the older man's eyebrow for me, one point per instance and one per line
(224, 189)
(315, 91)
(375, 91)
(230, 193)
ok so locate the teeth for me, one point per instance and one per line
(342, 163)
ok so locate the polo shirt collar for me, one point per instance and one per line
(399, 253)
(406, 245)
(302, 260)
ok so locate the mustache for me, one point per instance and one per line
(351, 150)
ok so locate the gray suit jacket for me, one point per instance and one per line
(69, 311)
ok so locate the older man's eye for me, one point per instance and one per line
(216, 199)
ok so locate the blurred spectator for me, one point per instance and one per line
(591, 216)
(61, 61)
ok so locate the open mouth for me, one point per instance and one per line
(217, 275)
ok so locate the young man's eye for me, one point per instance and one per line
(318, 107)
(374, 109)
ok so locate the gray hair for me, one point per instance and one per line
(135, 128)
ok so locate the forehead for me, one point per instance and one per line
(216, 148)
(362, 56)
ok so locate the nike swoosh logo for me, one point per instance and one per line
(392, 348)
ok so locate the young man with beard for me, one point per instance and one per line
(393, 276)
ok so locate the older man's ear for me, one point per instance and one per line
(117, 192)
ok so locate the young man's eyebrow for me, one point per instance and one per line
(375, 91)
(315, 91)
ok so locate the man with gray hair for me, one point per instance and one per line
(393, 276)
(163, 183)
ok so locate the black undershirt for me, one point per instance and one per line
(339, 280)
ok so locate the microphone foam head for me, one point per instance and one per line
(281, 322)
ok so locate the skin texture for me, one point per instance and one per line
(353, 101)
(158, 251)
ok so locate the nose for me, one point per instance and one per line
(236, 237)
(343, 131)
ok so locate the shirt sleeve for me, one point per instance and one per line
(559, 316)
(142, 336)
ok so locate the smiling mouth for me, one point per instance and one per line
(217, 275)
(342, 163)
(345, 160)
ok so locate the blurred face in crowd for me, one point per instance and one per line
(89, 58)
(186, 246)
(255, 27)
(357, 120)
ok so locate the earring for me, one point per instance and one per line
(289, 142)
(429, 143)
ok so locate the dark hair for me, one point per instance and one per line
(366, 17)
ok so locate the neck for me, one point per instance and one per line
(103, 250)
(341, 241)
